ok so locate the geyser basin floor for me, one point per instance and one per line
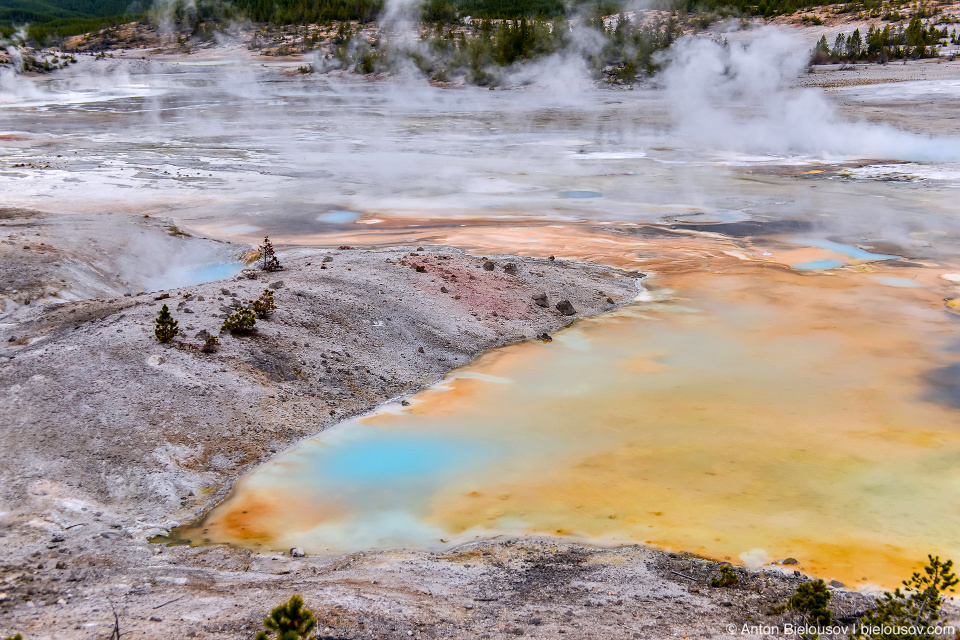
(764, 413)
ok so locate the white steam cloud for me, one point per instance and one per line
(739, 97)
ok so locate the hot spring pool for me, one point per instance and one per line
(728, 421)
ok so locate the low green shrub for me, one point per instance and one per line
(264, 305)
(240, 321)
(210, 344)
(811, 603)
(728, 578)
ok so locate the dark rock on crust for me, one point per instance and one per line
(566, 308)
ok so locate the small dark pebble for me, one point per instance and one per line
(488, 265)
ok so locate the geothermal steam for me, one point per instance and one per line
(738, 97)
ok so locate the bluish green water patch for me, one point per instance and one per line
(340, 217)
(212, 272)
(242, 228)
(577, 194)
(848, 250)
(377, 459)
(191, 275)
(818, 265)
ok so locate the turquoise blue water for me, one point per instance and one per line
(191, 275)
(814, 265)
(580, 194)
(242, 228)
(208, 273)
(846, 249)
(378, 458)
(340, 217)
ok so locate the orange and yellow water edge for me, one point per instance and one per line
(739, 409)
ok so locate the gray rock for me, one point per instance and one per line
(297, 552)
(566, 308)
(791, 561)
(836, 584)
(488, 265)
(541, 300)
(328, 258)
(276, 285)
(510, 269)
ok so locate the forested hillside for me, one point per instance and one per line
(69, 17)
(66, 17)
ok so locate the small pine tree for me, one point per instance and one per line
(290, 621)
(840, 47)
(821, 52)
(812, 603)
(268, 257)
(918, 606)
(166, 327)
(240, 321)
(264, 305)
(855, 45)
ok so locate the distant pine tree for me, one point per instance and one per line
(166, 328)
(268, 257)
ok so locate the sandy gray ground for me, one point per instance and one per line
(57, 257)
